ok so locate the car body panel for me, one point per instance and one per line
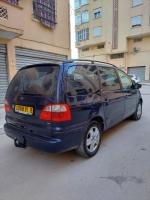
(114, 107)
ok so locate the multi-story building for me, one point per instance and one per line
(115, 31)
(31, 31)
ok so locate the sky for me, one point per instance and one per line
(74, 52)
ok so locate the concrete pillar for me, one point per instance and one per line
(11, 60)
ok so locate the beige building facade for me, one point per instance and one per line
(115, 31)
(31, 31)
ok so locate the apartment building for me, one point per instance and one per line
(31, 31)
(115, 31)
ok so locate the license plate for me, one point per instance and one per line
(26, 110)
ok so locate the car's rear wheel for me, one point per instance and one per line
(91, 141)
(138, 113)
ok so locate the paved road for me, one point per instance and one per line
(120, 170)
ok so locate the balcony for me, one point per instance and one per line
(15, 2)
(10, 23)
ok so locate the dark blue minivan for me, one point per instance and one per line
(59, 107)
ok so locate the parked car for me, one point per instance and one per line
(60, 107)
(134, 78)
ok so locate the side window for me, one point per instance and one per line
(125, 80)
(109, 79)
(82, 80)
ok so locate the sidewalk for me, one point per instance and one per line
(146, 83)
(2, 117)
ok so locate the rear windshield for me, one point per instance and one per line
(40, 80)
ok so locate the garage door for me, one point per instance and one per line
(138, 71)
(26, 57)
(3, 73)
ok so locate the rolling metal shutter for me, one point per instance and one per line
(26, 57)
(138, 71)
(3, 73)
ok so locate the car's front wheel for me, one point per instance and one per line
(91, 141)
(138, 113)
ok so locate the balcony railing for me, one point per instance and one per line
(15, 2)
(45, 12)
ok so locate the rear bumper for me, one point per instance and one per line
(53, 144)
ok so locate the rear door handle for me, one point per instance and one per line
(106, 101)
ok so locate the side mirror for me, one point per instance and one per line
(139, 85)
(136, 85)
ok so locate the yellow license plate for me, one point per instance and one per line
(26, 110)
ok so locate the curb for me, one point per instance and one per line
(148, 84)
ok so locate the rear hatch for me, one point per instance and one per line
(31, 89)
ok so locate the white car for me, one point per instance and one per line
(134, 78)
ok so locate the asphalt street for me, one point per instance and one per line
(120, 170)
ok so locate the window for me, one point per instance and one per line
(101, 46)
(78, 20)
(3, 13)
(84, 2)
(77, 4)
(97, 13)
(136, 21)
(44, 11)
(41, 80)
(82, 80)
(136, 2)
(85, 16)
(117, 55)
(15, 2)
(82, 18)
(109, 79)
(97, 31)
(85, 49)
(125, 80)
(82, 35)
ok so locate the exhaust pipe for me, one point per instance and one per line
(19, 144)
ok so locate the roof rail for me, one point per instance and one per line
(85, 60)
(78, 60)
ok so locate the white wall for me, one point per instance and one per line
(74, 51)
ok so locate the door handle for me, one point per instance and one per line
(106, 101)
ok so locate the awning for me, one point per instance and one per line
(9, 33)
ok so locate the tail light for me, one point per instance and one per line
(56, 113)
(7, 106)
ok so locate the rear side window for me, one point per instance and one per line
(40, 80)
(82, 80)
(109, 79)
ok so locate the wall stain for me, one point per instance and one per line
(143, 149)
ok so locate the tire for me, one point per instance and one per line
(138, 113)
(91, 141)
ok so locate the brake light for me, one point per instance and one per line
(7, 106)
(56, 113)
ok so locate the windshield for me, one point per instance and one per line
(37, 80)
(131, 76)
